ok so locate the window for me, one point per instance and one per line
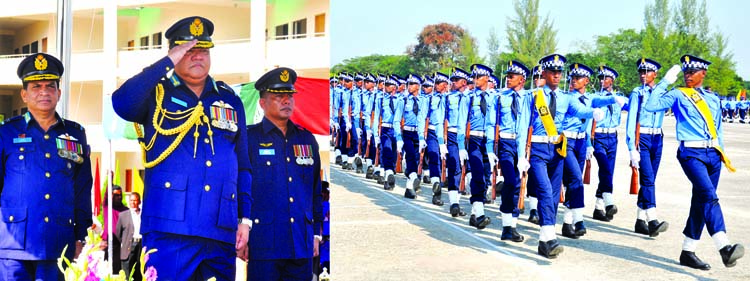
(320, 25)
(35, 47)
(299, 28)
(44, 45)
(25, 49)
(156, 40)
(144, 42)
(16, 51)
(282, 31)
(131, 45)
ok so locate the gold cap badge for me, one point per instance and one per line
(40, 63)
(284, 76)
(196, 28)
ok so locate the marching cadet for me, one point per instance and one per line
(742, 106)
(732, 106)
(507, 112)
(578, 133)
(367, 146)
(493, 84)
(701, 155)
(385, 137)
(428, 90)
(337, 105)
(352, 102)
(333, 84)
(212, 164)
(472, 113)
(341, 99)
(288, 213)
(408, 109)
(454, 159)
(376, 171)
(549, 106)
(45, 191)
(434, 116)
(537, 82)
(605, 147)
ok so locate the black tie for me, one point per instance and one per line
(582, 98)
(415, 105)
(552, 104)
(514, 105)
(390, 103)
(483, 104)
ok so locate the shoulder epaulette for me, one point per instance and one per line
(226, 87)
(253, 126)
(74, 125)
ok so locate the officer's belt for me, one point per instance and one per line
(651, 131)
(605, 130)
(477, 134)
(545, 139)
(453, 130)
(507, 136)
(574, 135)
(700, 144)
(386, 125)
(410, 128)
(431, 127)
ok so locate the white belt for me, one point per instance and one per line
(606, 130)
(476, 134)
(386, 125)
(507, 136)
(651, 131)
(544, 139)
(410, 128)
(431, 127)
(700, 144)
(453, 130)
(574, 135)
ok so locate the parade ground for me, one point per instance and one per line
(380, 235)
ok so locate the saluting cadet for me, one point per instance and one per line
(385, 109)
(196, 186)
(577, 131)
(45, 182)
(701, 154)
(508, 113)
(549, 106)
(337, 105)
(367, 146)
(287, 214)
(455, 159)
(408, 109)
(605, 148)
(537, 82)
(472, 113)
(646, 154)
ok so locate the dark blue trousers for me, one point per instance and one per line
(546, 174)
(387, 149)
(651, 148)
(477, 154)
(702, 166)
(343, 136)
(355, 138)
(508, 154)
(572, 173)
(454, 164)
(411, 143)
(181, 257)
(286, 269)
(433, 153)
(12, 270)
(605, 152)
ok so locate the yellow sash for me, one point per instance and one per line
(549, 124)
(697, 100)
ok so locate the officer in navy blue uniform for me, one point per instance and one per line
(45, 186)
(287, 214)
(197, 170)
(701, 155)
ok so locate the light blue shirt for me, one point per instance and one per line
(435, 111)
(337, 103)
(500, 114)
(612, 113)
(405, 110)
(567, 106)
(690, 124)
(638, 99)
(470, 113)
(383, 109)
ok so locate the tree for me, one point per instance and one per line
(656, 44)
(386, 64)
(438, 47)
(620, 51)
(469, 54)
(493, 49)
(528, 38)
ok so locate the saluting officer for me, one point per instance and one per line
(701, 155)
(195, 154)
(455, 145)
(45, 182)
(646, 154)
(287, 214)
(385, 110)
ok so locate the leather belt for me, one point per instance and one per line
(700, 144)
(386, 125)
(476, 134)
(574, 135)
(453, 130)
(507, 136)
(545, 139)
(651, 131)
(410, 128)
(606, 130)
(431, 127)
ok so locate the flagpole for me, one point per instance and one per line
(110, 178)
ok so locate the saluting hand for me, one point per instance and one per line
(175, 54)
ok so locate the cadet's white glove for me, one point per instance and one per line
(369, 134)
(336, 125)
(589, 153)
(348, 126)
(493, 160)
(671, 75)
(621, 101)
(377, 140)
(332, 125)
(635, 159)
(443, 151)
(598, 114)
(523, 165)
(463, 155)
(422, 144)
(399, 146)
(359, 131)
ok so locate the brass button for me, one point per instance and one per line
(290, 179)
(205, 140)
(167, 68)
(291, 199)
(47, 174)
(167, 184)
(10, 218)
(287, 159)
(291, 219)
(47, 155)
(20, 157)
(268, 163)
(208, 163)
(207, 187)
(232, 195)
(46, 219)
(70, 221)
(21, 149)
(46, 136)
(257, 221)
(46, 196)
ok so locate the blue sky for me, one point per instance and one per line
(360, 28)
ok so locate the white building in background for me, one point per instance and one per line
(113, 40)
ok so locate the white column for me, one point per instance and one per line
(257, 53)
(64, 35)
(109, 84)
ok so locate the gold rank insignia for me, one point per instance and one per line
(696, 97)
(543, 111)
(303, 153)
(223, 116)
(557, 58)
(69, 148)
(40, 63)
(266, 144)
(284, 76)
(687, 59)
(196, 28)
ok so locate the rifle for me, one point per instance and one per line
(587, 171)
(494, 169)
(462, 186)
(442, 162)
(525, 175)
(634, 170)
(422, 151)
(399, 167)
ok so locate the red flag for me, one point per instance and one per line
(311, 105)
(97, 191)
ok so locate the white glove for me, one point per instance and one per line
(359, 131)
(493, 160)
(348, 126)
(422, 144)
(399, 146)
(336, 125)
(598, 114)
(377, 140)
(443, 150)
(589, 153)
(463, 155)
(621, 101)
(332, 125)
(635, 159)
(369, 134)
(523, 165)
(671, 75)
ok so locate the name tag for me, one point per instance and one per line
(179, 101)
(22, 140)
(267, 151)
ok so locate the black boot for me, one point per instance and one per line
(510, 233)
(369, 173)
(426, 179)
(567, 231)
(436, 194)
(689, 259)
(479, 222)
(641, 227)
(416, 185)
(611, 211)
(338, 160)
(456, 211)
(550, 249)
(731, 253)
(358, 165)
(391, 181)
(580, 229)
(410, 194)
(600, 216)
(655, 227)
(533, 217)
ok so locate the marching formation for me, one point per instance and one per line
(478, 135)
